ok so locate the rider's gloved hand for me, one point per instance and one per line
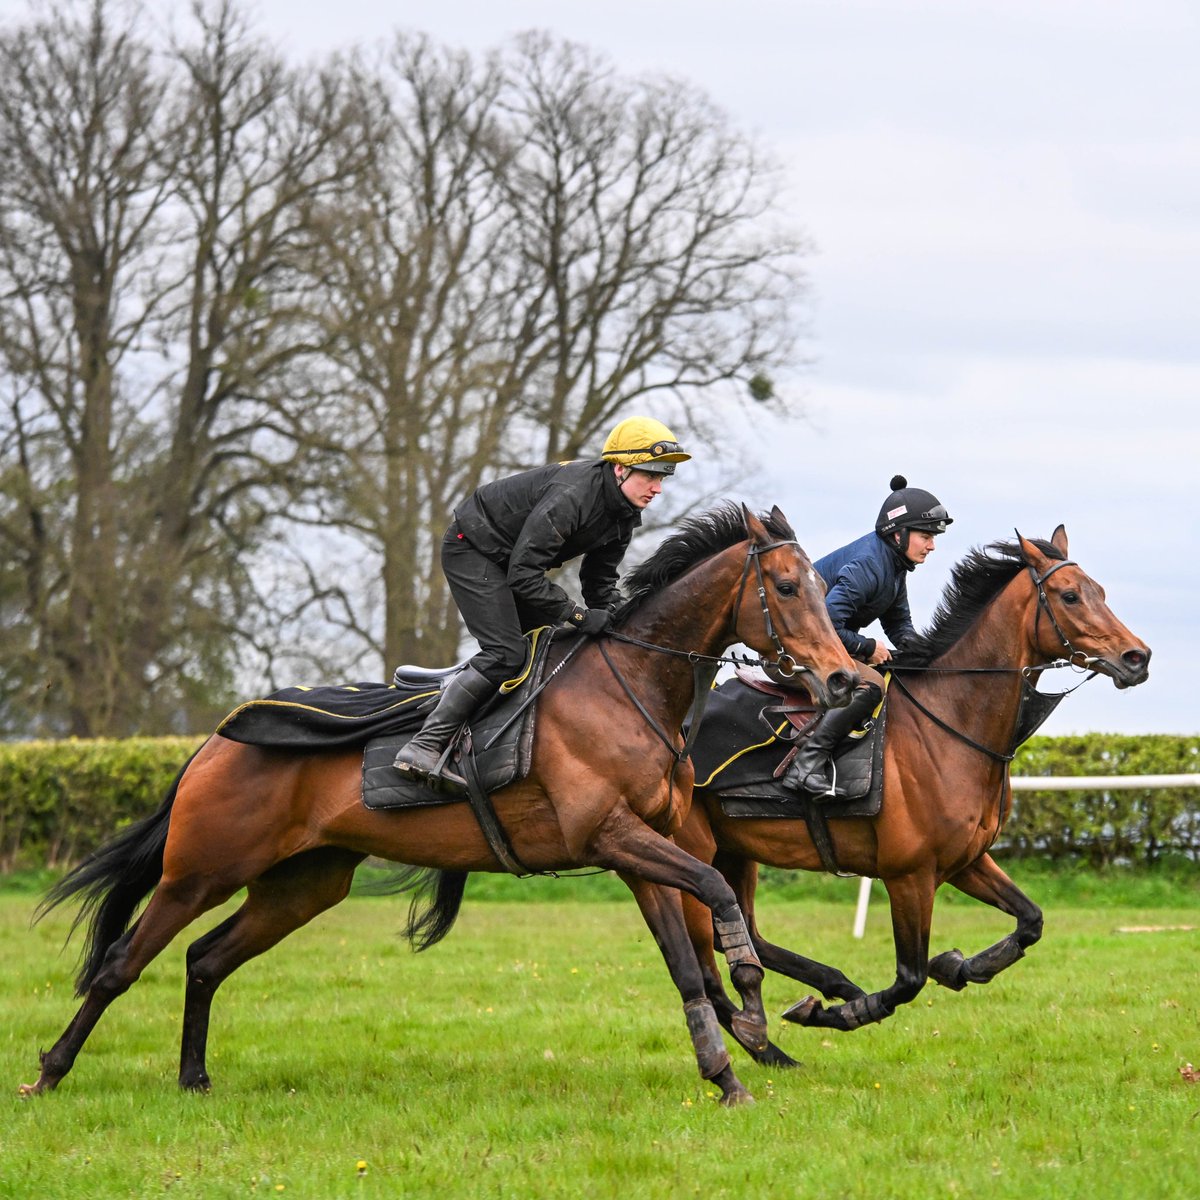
(590, 620)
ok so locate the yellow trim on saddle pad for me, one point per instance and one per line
(744, 750)
(862, 733)
(323, 711)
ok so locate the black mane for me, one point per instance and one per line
(974, 583)
(696, 539)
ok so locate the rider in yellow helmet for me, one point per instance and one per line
(509, 533)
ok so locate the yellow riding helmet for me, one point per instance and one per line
(645, 444)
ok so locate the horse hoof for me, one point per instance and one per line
(736, 1098)
(946, 969)
(801, 1013)
(750, 1033)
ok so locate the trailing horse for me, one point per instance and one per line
(606, 788)
(952, 726)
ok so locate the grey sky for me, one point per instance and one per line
(1004, 196)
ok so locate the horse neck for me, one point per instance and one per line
(694, 614)
(983, 703)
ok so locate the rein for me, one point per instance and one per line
(705, 666)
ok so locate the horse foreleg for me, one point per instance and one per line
(663, 913)
(984, 880)
(742, 874)
(911, 898)
(279, 902)
(171, 908)
(628, 845)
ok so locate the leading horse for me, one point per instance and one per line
(1009, 611)
(606, 788)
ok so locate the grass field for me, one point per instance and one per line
(540, 1051)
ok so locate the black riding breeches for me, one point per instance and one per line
(494, 616)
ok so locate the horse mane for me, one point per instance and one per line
(974, 583)
(695, 539)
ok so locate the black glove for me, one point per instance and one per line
(590, 620)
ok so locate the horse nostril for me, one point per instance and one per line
(1135, 659)
(840, 684)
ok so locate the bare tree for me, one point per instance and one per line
(547, 246)
(151, 233)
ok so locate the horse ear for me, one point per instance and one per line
(782, 521)
(1058, 539)
(756, 530)
(1030, 553)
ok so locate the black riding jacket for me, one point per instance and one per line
(535, 521)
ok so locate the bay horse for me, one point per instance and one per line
(1008, 612)
(606, 788)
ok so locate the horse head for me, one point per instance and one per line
(1072, 619)
(783, 613)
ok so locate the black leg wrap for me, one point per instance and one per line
(733, 938)
(711, 1056)
(981, 967)
(865, 1010)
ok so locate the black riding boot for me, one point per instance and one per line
(463, 695)
(812, 768)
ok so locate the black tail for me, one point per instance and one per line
(113, 881)
(437, 897)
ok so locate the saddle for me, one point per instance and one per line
(494, 749)
(748, 737)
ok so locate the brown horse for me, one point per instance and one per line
(1007, 613)
(606, 788)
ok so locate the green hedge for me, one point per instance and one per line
(1107, 827)
(60, 800)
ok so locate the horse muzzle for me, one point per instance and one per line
(1128, 670)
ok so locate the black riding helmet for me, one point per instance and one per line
(911, 508)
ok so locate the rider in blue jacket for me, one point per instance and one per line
(867, 581)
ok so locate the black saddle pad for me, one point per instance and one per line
(744, 738)
(500, 736)
(333, 717)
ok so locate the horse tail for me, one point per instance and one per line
(112, 882)
(437, 897)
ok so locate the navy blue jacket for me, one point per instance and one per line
(867, 581)
(535, 521)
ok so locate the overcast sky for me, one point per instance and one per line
(1004, 197)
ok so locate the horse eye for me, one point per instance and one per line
(786, 588)
(1070, 597)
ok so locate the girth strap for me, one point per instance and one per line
(485, 814)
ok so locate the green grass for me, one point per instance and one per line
(541, 1052)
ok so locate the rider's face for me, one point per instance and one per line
(639, 487)
(920, 545)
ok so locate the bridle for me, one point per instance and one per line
(784, 663)
(1076, 659)
(705, 666)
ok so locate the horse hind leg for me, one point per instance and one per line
(173, 906)
(277, 903)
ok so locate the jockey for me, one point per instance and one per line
(867, 581)
(509, 533)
